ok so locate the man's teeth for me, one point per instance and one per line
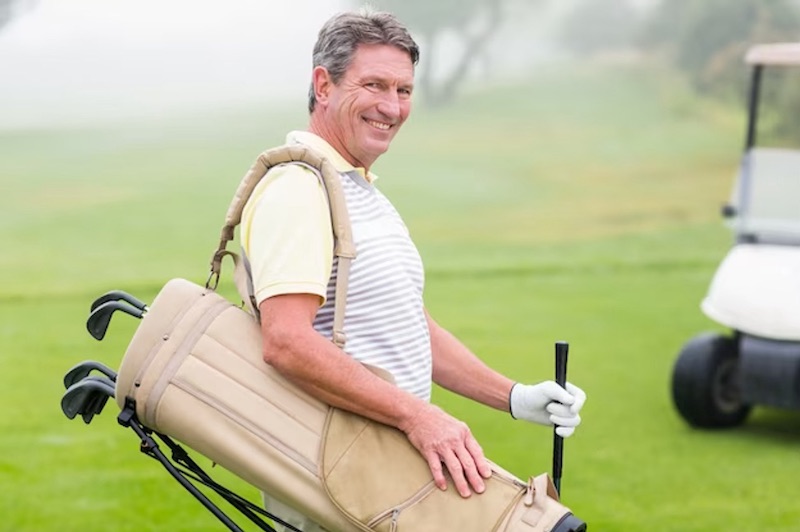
(379, 125)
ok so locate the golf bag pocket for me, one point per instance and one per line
(195, 372)
(376, 477)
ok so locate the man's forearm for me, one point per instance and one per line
(323, 370)
(459, 370)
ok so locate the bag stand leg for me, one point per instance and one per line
(127, 418)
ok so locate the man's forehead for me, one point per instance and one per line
(386, 58)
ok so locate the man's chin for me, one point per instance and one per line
(376, 148)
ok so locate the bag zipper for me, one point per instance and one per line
(422, 493)
(397, 510)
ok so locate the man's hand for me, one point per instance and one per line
(440, 438)
(549, 404)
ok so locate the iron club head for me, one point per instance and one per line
(98, 321)
(81, 370)
(87, 397)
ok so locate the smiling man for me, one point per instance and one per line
(361, 91)
(360, 112)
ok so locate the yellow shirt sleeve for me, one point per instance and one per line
(287, 235)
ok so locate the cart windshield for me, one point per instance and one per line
(767, 191)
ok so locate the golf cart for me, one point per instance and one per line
(755, 292)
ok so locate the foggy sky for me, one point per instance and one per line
(86, 61)
(94, 61)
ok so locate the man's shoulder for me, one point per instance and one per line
(287, 184)
(293, 174)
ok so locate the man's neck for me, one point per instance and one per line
(317, 127)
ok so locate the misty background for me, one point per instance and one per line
(98, 61)
(90, 61)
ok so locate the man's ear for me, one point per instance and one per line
(322, 83)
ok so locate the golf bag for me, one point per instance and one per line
(194, 371)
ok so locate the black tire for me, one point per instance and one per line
(706, 382)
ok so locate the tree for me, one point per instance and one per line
(8, 9)
(5, 12)
(600, 25)
(708, 39)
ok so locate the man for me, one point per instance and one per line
(360, 96)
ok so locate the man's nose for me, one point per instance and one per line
(389, 105)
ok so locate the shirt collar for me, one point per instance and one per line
(320, 145)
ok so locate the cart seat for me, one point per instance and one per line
(766, 197)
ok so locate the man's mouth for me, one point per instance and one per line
(379, 125)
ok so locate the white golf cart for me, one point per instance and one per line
(756, 289)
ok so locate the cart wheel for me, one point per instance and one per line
(706, 382)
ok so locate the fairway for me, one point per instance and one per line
(578, 206)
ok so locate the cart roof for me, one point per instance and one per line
(779, 54)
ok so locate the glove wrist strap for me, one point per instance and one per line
(510, 393)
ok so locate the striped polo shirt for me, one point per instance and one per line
(286, 234)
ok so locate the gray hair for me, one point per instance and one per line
(341, 34)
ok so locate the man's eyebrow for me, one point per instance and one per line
(385, 78)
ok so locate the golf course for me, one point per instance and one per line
(580, 205)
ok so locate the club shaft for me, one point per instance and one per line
(562, 351)
(117, 295)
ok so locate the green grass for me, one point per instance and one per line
(581, 207)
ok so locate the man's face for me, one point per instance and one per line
(363, 112)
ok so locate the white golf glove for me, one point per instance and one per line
(548, 404)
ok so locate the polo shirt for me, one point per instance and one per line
(287, 237)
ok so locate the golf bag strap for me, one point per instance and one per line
(344, 247)
(241, 278)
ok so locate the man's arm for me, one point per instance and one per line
(457, 369)
(297, 351)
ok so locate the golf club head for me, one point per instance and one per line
(94, 407)
(87, 397)
(118, 295)
(82, 370)
(98, 321)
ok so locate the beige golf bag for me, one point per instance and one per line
(195, 371)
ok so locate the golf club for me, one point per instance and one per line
(562, 350)
(82, 370)
(87, 397)
(98, 321)
(118, 295)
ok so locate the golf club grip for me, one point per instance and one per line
(562, 350)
